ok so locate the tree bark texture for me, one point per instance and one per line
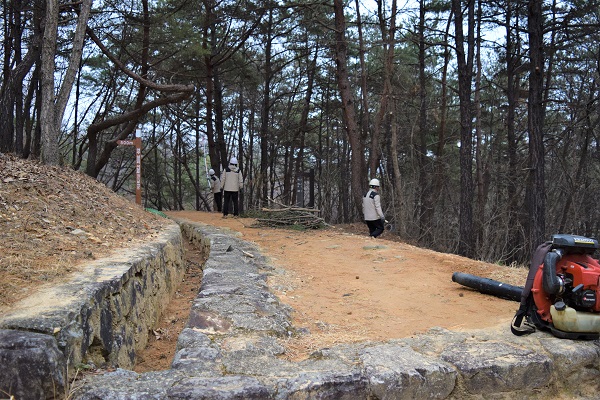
(535, 124)
(48, 112)
(264, 117)
(356, 145)
(465, 72)
(364, 93)
(425, 193)
(513, 64)
(53, 109)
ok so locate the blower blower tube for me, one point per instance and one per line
(488, 286)
(552, 283)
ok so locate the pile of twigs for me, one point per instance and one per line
(294, 217)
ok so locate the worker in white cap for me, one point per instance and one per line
(215, 188)
(372, 211)
(231, 184)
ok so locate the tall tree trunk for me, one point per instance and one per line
(250, 170)
(48, 113)
(76, 118)
(265, 111)
(11, 99)
(345, 199)
(397, 187)
(157, 170)
(218, 103)
(388, 39)
(426, 202)
(53, 111)
(29, 117)
(240, 148)
(536, 199)
(36, 144)
(18, 93)
(465, 73)
(287, 192)
(439, 174)
(388, 70)
(515, 235)
(197, 150)
(364, 95)
(356, 144)
(479, 165)
(303, 127)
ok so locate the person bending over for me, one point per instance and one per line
(373, 214)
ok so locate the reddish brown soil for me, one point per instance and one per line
(160, 350)
(346, 287)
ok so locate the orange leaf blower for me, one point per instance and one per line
(561, 293)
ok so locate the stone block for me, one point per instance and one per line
(32, 366)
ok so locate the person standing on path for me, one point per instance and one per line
(231, 184)
(372, 211)
(215, 188)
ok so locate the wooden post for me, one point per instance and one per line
(137, 142)
(138, 170)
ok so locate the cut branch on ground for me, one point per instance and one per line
(289, 216)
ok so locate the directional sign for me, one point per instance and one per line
(137, 142)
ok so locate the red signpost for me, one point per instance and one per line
(137, 142)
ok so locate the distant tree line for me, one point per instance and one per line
(481, 118)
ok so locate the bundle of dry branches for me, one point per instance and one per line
(287, 216)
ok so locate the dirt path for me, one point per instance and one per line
(346, 287)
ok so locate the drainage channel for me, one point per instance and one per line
(162, 339)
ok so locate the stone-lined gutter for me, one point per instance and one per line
(102, 316)
(231, 349)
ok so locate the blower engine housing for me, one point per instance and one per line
(566, 289)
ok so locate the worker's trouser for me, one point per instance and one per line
(230, 197)
(217, 201)
(376, 227)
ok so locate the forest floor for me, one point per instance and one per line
(342, 285)
(54, 219)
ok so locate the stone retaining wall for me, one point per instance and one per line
(102, 316)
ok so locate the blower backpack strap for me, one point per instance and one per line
(520, 326)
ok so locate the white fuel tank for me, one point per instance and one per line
(571, 320)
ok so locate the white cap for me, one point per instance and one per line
(233, 161)
(211, 171)
(374, 182)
